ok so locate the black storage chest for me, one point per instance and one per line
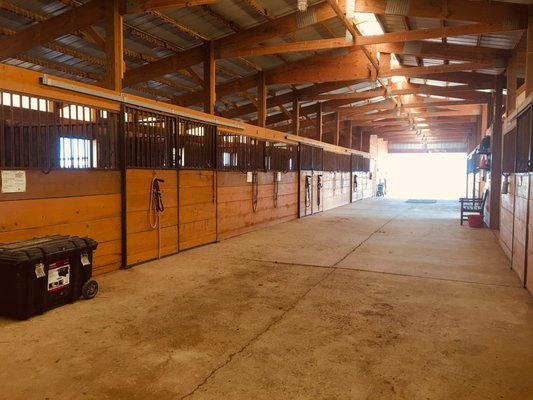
(42, 273)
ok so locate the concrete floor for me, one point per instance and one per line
(407, 304)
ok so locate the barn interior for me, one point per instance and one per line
(240, 165)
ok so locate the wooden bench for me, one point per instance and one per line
(471, 206)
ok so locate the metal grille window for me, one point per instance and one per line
(306, 157)
(330, 161)
(43, 133)
(318, 159)
(365, 164)
(280, 157)
(150, 139)
(509, 148)
(241, 153)
(343, 162)
(523, 133)
(357, 163)
(197, 144)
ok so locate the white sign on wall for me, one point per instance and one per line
(13, 181)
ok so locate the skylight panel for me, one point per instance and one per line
(367, 24)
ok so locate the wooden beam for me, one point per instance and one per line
(43, 32)
(140, 6)
(91, 35)
(164, 66)
(319, 121)
(287, 98)
(405, 89)
(260, 9)
(114, 48)
(529, 58)
(436, 69)
(394, 116)
(310, 45)
(336, 132)
(209, 77)
(467, 78)
(221, 90)
(295, 113)
(443, 51)
(511, 83)
(386, 104)
(349, 65)
(496, 154)
(261, 100)
(250, 37)
(423, 34)
(428, 119)
(350, 135)
(389, 105)
(515, 15)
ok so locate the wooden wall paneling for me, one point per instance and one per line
(235, 213)
(336, 189)
(67, 202)
(197, 208)
(528, 280)
(520, 226)
(142, 238)
(507, 218)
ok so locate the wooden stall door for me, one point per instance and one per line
(142, 239)
(306, 193)
(507, 219)
(520, 226)
(318, 192)
(197, 208)
(529, 265)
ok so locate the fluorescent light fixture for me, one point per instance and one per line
(316, 143)
(47, 81)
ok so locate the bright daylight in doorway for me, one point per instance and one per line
(438, 176)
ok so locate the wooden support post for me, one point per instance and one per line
(113, 46)
(209, 77)
(496, 161)
(336, 132)
(483, 126)
(529, 57)
(261, 99)
(384, 61)
(319, 120)
(295, 113)
(511, 83)
(351, 134)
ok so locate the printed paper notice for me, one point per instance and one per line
(13, 181)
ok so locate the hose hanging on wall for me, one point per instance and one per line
(155, 209)
(255, 191)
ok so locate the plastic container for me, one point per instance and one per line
(39, 274)
(475, 221)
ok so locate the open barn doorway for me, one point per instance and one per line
(439, 176)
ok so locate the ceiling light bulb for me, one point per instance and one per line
(302, 5)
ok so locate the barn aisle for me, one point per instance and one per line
(379, 299)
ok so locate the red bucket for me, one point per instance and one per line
(475, 221)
